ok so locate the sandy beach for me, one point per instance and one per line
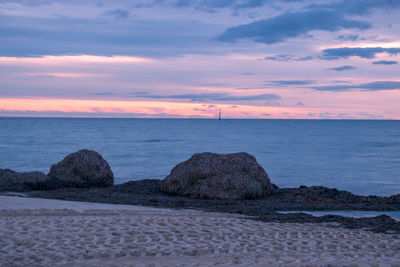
(39, 232)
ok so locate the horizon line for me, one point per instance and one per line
(193, 118)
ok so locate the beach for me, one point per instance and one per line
(39, 232)
(200, 133)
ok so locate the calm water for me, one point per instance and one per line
(351, 213)
(359, 156)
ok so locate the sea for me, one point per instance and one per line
(361, 156)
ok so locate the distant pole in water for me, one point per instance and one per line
(219, 114)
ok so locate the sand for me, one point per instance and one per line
(17, 203)
(37, 232)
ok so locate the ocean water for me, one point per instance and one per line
(350, 213)
(359, 156)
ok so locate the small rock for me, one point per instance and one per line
(22, 181)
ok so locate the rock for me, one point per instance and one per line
(274, 186)
(218, 176)
(22, 181)
(85, 168)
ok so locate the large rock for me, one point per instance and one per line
(85, 168)
(23, 181)
(218, 176)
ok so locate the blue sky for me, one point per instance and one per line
(178, 58)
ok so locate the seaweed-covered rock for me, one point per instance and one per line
(22, 181)
(218, 176)
(85, 168)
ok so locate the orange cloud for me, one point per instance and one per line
(71, 59)
(151, 108)
(64, 74)
(154, 109)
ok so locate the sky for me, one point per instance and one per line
(268, 59)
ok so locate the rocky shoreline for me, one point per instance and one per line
(233, 183)
(147, 193)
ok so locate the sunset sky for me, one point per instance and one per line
(188, 58)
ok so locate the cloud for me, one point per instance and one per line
(290, 82)
(384, 62)
(288, 57)
(199, 109)
(355, 7)
(343, 68)
(367, 52)
(299, 104)
(358, 7)
(324, 17)
(251, 3)
(205, 4)
(288, 25)
(372, 86)
(118, 13)
(213, 5)
(94, 114)
(30, 3)
(102, 36)
(103, 94)
(208, 97)
(367, 115)
(349, 37)
(326, 115)
(340, 81)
